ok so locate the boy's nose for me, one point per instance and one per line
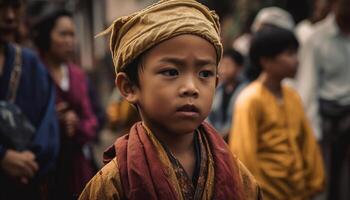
(189, 88)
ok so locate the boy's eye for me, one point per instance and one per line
(170, 72)
(206, 74)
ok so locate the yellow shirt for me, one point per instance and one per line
(275, 142)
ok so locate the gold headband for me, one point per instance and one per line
(134, 34)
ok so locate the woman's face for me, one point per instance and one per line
(63, 39)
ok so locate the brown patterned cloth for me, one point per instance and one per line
(138, 167)
(192, 188)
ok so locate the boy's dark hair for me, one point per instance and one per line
(42, 29)
(235, 56)
(268, 43)
(132, 70)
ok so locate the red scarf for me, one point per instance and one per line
(143, 175)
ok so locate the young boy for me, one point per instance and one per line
(166, 59)
(271, 134)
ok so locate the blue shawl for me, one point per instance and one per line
(36, 99)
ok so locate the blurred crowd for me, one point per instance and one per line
(41, 77)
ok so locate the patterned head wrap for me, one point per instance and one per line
(134, 34)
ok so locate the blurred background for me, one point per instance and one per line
(92, 54)
(239, 20)
(93, 16)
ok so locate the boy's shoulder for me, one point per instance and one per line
(291, 93)
(252, 91)
(251, 94)
(106, 184)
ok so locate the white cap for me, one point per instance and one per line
(273, 16)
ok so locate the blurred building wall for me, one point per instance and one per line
(117, 8)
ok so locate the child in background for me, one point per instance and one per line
(229, 87)
(271, 134)
(166, 66)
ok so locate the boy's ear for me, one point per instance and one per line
(126, 88)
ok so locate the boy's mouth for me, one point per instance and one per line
(188, 108)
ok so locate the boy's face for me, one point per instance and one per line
(284, 65)
(177, 84)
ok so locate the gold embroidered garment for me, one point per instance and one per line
(156, 177)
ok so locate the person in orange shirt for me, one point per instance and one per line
(271, 134)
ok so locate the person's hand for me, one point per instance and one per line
(71, 122)
(20, 166)
(61, 109)
(68, 118)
